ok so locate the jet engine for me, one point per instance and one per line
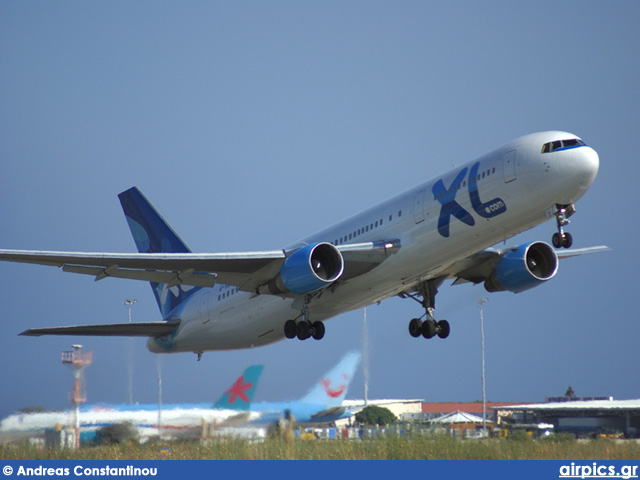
(308, 269)
(523, 267)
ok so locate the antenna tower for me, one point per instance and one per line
(78, 359)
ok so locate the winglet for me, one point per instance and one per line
(332, 388)
(240, 395)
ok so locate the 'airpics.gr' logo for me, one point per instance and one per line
(447, 198)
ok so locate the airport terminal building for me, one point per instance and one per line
(579, 417)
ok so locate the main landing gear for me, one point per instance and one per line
(430, 327)
(562, 238)
(304, 328)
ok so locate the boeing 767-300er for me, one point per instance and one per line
(407, 246)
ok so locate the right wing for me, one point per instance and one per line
(200, 270)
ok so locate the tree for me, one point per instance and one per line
(118, 433)
(374, 415)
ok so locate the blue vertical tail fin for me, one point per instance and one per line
(332, 388)
(240, 395)
(153, 234)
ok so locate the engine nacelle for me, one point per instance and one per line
(523, 267)
(309, 269)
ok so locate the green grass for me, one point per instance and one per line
(390, 448)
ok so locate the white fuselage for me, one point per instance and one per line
(146, 419)
(526, 184)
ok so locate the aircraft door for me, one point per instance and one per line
(509, 166)
(418, 207)
(203, 308)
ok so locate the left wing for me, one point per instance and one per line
(480, 266)
(246, 270)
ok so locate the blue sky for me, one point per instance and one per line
(252, 124)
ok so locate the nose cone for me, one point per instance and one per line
(585, 165)
(572, 172)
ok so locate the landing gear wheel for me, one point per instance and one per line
(290, 329)
(443, 329)
(318, 330)
(567, 241)
(564, 240)
(415, 327)
(303, 330)
(429, 329)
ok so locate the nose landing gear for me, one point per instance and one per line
(561, 238)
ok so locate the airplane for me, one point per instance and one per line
(407, 246)
(232, 408)
(234, 414)
(321, 405)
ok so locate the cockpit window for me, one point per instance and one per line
(562, 145)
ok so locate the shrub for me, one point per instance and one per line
(118, 433)
(374, 415)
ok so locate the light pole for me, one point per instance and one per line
(129, 303)
(484, 395)
(365, 356)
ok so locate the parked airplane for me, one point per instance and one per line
(322, 404)
(232, 408)
(407, 246)
(232, 414)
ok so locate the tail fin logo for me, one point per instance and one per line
(240, 395)
(239, 390)
(337, 392)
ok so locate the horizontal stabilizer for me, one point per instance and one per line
(329, 415)
(148, 329)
